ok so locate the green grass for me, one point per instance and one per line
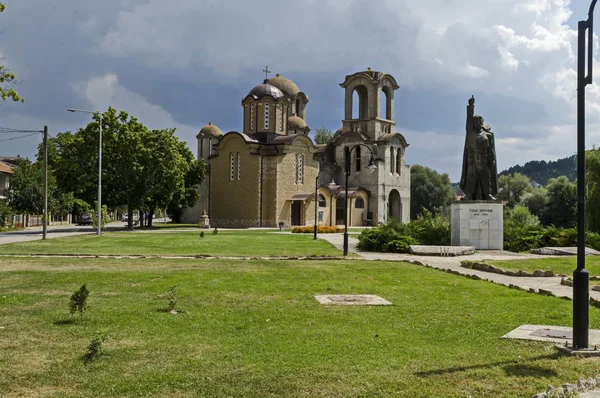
(560, 265)
(254, 243)
(254, 329)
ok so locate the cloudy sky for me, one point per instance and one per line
(187, 62)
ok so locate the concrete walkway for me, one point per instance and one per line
(551, 284)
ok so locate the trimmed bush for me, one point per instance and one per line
(320, 229)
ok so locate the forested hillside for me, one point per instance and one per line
(541, 171)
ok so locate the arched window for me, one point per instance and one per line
(295, 168)
(322, 201)
(239, 166)
(358, 159)
(359, 203)
(360, 103)
(398, 155)
(301, 169)
(392, 159)
(386, 103)
(280, 110)
(231, 166)
(266, 115)
(298, 108)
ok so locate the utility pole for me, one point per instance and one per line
(45, 218)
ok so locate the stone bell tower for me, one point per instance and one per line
(372, 119)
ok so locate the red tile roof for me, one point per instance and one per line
(4, 168)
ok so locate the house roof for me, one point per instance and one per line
(4, 168)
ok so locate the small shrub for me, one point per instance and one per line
(78, 301)
(202, 234)
(215, 231)
(401, 244)
(172, 298)
(94, 349)
(430, 229)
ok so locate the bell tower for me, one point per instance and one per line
(373, 115)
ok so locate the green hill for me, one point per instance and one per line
(541, 171)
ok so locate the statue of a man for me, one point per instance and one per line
(479, 179)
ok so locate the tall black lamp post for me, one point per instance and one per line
(581, 277)
(317, 201)
(371, 166)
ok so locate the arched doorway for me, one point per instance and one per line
(395, 205)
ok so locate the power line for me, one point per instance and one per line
(16, 138)
(11, 130)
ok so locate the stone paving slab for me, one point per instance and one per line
(564, 251)
(351, 299)
(442, 251)
(545, 332)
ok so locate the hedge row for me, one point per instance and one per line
(320, 229)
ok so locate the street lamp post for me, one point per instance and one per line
(99, 213)
(581, 277)
(371, 166)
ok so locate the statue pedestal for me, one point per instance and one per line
(477, 223)
(204, 222)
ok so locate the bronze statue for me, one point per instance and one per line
(479, 179)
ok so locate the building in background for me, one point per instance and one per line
(265, 175)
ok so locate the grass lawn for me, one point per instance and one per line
(232, 243)
(560, 265)
(254, 329)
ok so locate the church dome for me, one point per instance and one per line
(296, 123)
(210, 130)
(265, 89)
(284, 84)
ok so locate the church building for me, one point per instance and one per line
(267, 173)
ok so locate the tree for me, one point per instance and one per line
(8, 77)
(193, 177)
(430, 191)
(512, 187)
(172, 174)
(536, 201)
(592, 210)
(562, 203)
(323, 135)
(26, 190)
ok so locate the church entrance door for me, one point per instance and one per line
(296, 212)
(395, 205)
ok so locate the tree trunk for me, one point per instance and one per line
(129, 218)
(150, 217)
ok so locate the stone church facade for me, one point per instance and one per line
(267, 173)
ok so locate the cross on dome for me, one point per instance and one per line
(267, 71)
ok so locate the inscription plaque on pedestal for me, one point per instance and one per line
(477, 223)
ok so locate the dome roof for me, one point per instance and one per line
(284, 84)
(210, 130)
(295, 122)
(266, 89)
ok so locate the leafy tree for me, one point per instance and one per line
(172, 173)
(513, 187)
(8, 77)
(193, 177)
(26, 190)
(562, 203)
(536, 201)
(323, 135)
(592, 210)
(429, 191)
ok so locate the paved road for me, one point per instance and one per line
(58, 231)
